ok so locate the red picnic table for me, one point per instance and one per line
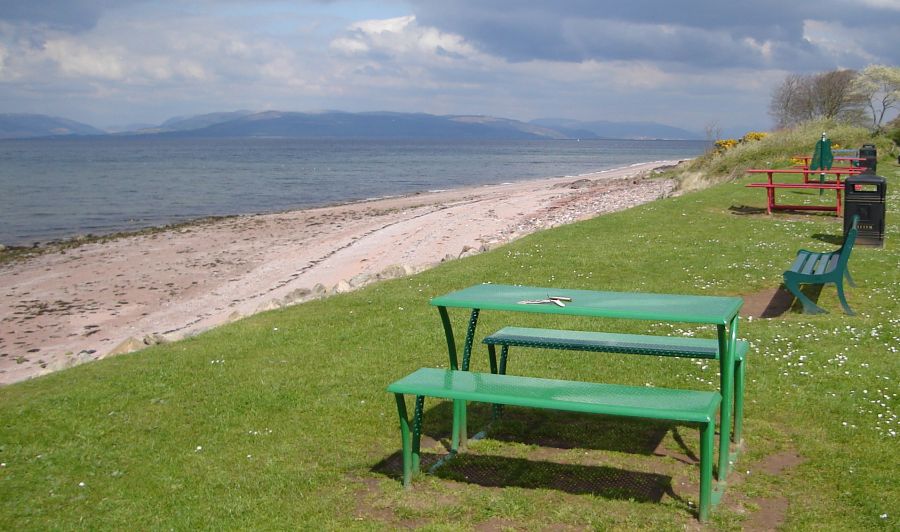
(850, 169)
(837, 185)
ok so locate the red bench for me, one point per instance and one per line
(773, 206)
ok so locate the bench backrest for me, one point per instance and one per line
(847, 247)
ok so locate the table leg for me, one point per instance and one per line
(707, 431)
(738, 379)
(467, 356)
(405, 440)
(417, 432)
(460, 432)
(738, 401)
(470, 338)
(726, 383)
(448, 332)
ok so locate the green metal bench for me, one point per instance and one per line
(636, 344)
(811, 267)
(684, 406)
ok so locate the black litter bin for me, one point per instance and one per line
(864, 195)
(870, 154)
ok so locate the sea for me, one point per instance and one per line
(63, 188)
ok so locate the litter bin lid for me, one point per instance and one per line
(865, 179)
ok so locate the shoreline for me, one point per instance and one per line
(56, 244)
(73, 302)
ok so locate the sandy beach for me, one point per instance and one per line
(64, 308)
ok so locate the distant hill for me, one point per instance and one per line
(20, 126)
(620, 130)
(184, 123)
(338, 124)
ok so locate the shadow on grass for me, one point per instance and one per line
(775, 302)
(567, 430)
(493, 471)
(552, 433)
(550, 428)
(830, 239)
(744, 210)
(605, 481)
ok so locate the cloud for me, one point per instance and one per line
(693, 61)
(695, 33)
(72, 15)
(401, 36)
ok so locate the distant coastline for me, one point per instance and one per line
(345, 125)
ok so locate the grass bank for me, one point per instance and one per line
(281, 421)
(774, 151)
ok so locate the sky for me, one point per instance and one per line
(694, 64)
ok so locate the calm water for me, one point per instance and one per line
(56, 189)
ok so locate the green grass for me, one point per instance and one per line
(282, 421)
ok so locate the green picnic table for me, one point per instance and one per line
(718, 311)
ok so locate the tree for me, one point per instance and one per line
(834, 97)
(879, 86)
(713, 130)
(807, 97)
(789, 101)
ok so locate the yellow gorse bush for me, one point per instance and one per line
(725, 144)
(754, 135)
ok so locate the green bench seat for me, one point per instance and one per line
(637, 344)
(811, 267)
(685, 406)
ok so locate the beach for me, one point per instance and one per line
(77, 304)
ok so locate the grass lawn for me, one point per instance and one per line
(282, 421)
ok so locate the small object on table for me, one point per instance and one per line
(556, 300)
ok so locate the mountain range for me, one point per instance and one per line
(339, 124)
(23, 126)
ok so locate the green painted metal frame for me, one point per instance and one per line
(712, 310)
(558, 395)
(623, 343)
(803, 271)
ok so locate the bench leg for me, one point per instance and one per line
(850, 280)
(808, 306)
(405, 439)
(840, 291)
(492, 357)
(707, 430)
(460, 429)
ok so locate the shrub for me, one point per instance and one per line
(754, 135)
(725, 144)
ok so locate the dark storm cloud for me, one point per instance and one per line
(75, 15)
(702, 33)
